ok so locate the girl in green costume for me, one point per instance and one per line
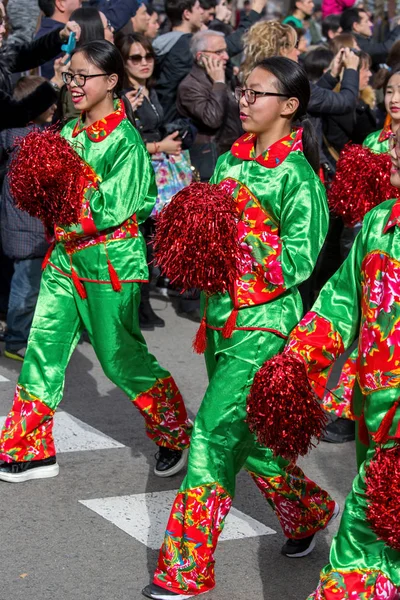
(283, 222)
(92, 280)
(362, 300)
(378, 141)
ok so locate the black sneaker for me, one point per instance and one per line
(340, 431)
(159, 593)
(17, 472)
(299, 548)
(169, 462)
(148, 318)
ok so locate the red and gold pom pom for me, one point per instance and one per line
(283, 410)
(196, 241)
(362, 181)
(46, 178)
(382, 481)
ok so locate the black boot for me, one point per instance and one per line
(147, 317)
(340, 431)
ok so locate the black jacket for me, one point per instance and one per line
(175, 62)
(378, 51)
(22, 58)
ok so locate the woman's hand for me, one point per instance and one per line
(59, 67)
(337, 63)
(170, 145)
(350, 59)
(70, 27)
(134, 99)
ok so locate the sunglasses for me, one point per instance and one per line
(136, 59)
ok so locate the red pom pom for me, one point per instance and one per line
(196, 241)
(283, 410)
(362, 181)
(46, 178)
(382, 481)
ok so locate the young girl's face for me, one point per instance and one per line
(86, 96)
(392, 97)
(266, 110)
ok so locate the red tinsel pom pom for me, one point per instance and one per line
(382, 481)
(362, 181)
(283, 410)
(46, 178)
(196, 241)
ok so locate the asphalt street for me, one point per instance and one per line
(92, 532)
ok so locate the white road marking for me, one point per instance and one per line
(2, 378)
(145, 516)
(73, 435)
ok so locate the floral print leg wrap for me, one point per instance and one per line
(302, 507)
(355, 585)
(165, 414)
(27, 432)
(186, 560)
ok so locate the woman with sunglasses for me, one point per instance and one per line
(271, 172)
(92, 280)
(171, 164)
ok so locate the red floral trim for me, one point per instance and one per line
(319, 345)
(358, 584)
(98, 131)
(186, 559)
(75, 243)
(387, 130)
(27, 433)
(339, 400)
(244, 148)
(275, 331)
(394, 217)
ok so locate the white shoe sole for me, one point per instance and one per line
(161, 596)
(175, 469)
(36, 473)
(335, 514)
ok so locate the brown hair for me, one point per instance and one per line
(386, 71)
(26, 86)
(343, 40)
(264, 40)
(124, 43)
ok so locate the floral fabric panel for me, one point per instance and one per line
(302, 507)
(379, 342)
(27, 431)
(339, 400)
(186, 559)
(355, 585)
(319, 345)
(165, 414)
(261, 277)
(173, 173)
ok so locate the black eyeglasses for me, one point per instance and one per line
(251, 95)
(394, 144)
(79, 79)
(217, 52)
(109, 26)
(136, 59)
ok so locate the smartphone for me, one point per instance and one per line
(140, 90)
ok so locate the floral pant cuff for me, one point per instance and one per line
(27, 433)
(355, 585)
(186, 559)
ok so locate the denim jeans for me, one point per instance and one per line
(25, 284)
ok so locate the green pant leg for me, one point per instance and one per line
(361, 566)
(112, 321)
(55, 331)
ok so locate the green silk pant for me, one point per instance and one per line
(111, 320)
(361, 566)
(221, 445)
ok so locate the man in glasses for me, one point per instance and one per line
(204, 97)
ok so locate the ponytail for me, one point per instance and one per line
(310, 144)
(128, 109)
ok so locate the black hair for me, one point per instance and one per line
(47, 7)
(349, 17)
(207, 4)
(107, 58)
(330, 23)
(174, 10)
(292, 6)
(316, 62)
(90, 22)
(394, 71)
(124, 43)
(292, 81)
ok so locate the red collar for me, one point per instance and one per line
(387, 130)
(243, 148)
(98, 131)
(394, 217)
